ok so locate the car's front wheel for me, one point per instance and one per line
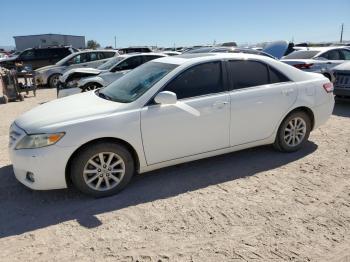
(53, 80)
(293, 132)
(102, 169)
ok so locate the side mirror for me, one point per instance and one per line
(165, 98)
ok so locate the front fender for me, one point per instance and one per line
(93, 79)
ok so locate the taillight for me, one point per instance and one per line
(328, 87)
(303, 66)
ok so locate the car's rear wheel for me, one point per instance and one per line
(102, 169)
(293, 132)
(53, 80)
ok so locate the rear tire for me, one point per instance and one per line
(102, 169)
(293, 132)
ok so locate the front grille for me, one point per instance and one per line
(342, 80)
(15, 134)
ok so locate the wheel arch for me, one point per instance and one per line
(98, 140)
(304, 109)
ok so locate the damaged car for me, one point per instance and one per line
(85, 79)
(49, 75)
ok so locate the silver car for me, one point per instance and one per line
(78, 80)
(49, 75)
(318, 59)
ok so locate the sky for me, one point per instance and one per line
(180, 23)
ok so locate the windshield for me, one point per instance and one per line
(303, 54)
(134, 84)
(110, 63)
(64, 60)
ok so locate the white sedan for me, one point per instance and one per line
(166, 112)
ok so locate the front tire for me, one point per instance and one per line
(53, 80)
(90, 86)
(293, 132)
(102, 169)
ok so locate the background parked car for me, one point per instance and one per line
(318, 59)
(37, 57)
(342, 80)
(86, 79)
(49, 75)
(141, 49)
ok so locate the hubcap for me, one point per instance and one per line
(295, 131)
(104, 171)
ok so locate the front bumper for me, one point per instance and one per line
(47, 165)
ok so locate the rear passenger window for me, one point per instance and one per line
(108, 54)
(150, 57)
(248, 73)
(197, 81)
(277, 77)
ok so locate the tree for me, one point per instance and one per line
(92, 44)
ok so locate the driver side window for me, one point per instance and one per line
(129, 64)
(198, 80)
(26, 55)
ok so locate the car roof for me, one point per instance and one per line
(324, 48)
(203, 57)
(137, 54)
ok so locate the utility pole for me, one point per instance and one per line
(115, 42)
(341, 33)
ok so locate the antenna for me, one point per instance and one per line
(341, 32)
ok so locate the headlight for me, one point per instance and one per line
(40, 140)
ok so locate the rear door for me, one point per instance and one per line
(260, 96)
(334, 57)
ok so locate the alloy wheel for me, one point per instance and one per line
(104, 171)
(295, 131)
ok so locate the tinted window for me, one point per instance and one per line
(43, 54)
(108, 54)
(248, 73)
(81, 58)
(345, 54)
(303, 54)
(276, 76)
(129, 63)
(331, 55)
(147, 58)
(199, 80)
(28, 54)
(93, 57)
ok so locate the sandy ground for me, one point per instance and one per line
(253, 205)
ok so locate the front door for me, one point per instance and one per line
(199, 121)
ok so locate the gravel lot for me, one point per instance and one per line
(253, 205)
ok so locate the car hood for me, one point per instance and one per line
(276, 48)
(80, 71)
(45, 68)
(343, 67)
(53, 115)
